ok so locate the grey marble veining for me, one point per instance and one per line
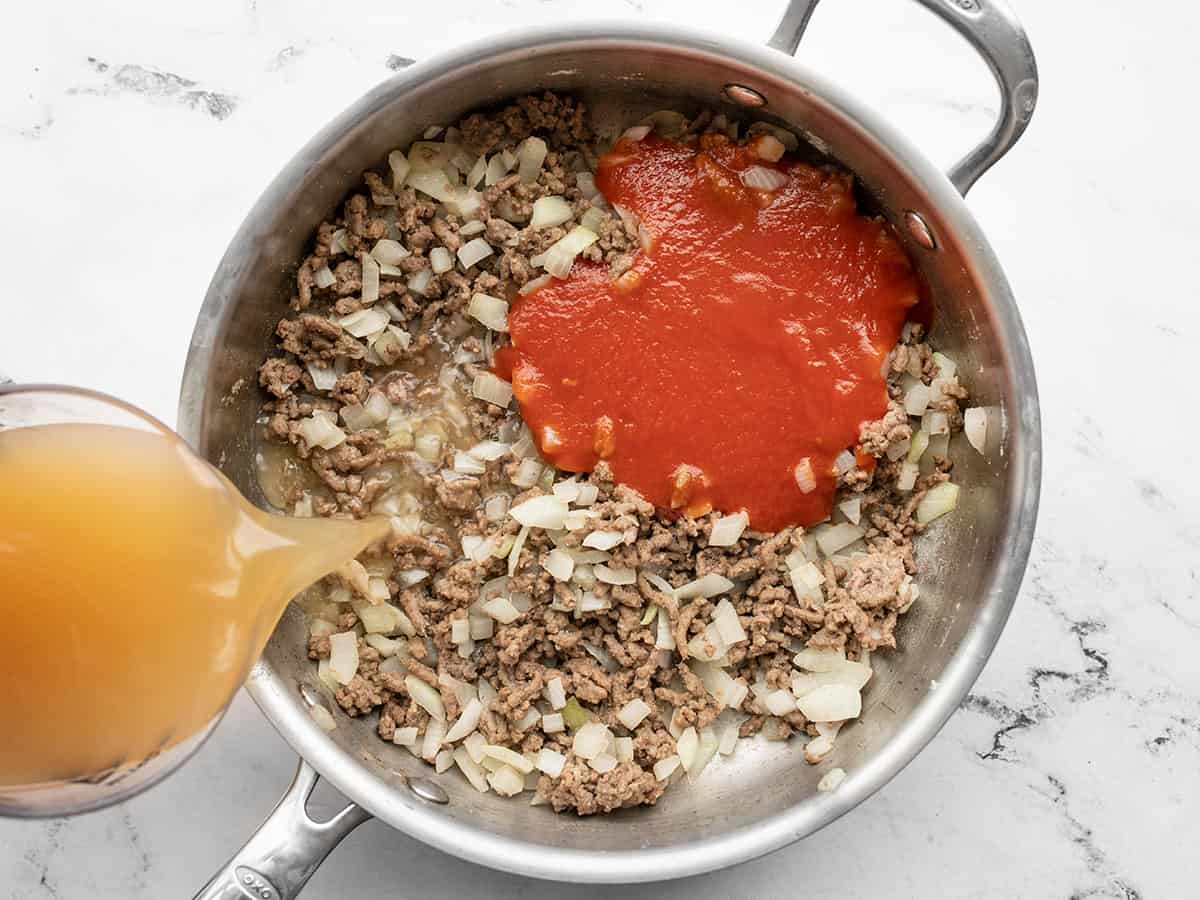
(134, 137)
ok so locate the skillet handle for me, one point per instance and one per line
(287, 848)
(992, 29)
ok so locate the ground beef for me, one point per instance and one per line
(597, 640)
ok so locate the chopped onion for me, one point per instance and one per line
(614, 575)
(514, 555)
(380, 618)
(938, 500)
(471, 769)
(546, 511)
(531, 153)
(974, 426)
(592, 220)
(425, 697)
(318, 431)
(589, 603)
(852, 510)
(365, 321)
(555, 693)
(400, 166)
(473, 251)
(587, 494)
(709, 585)
(496, 169)
(831, 779)
(440, 260)
(419, 281)
(389, 252)
(489, 450)
(467, 464)
(780, 702)
(769, 147)
(343, 656)
(665, 768)
(478, 170)
(686, 746)
(549, 212)
(324, 377)
(560, 256)
(506, 781)
(916, 399)
(603, 763)
(819, 659)
(492, 389)
(936, 423)
(665, 639)
(725, 617)
(636, 133)
(785, 137)
(533, 284)
(432, 182)
(567, 489)
(844, 463)
(502, 610)
(624, 749)
(760, 178)
(508, 757)
(603, 540)
(725, 689)
(471, 228)
(832, 538)
(633, 713)
(435, 730)
(709, 645)
(586, 182)
(849, 673)
(591, 739)
(908, 476)
(489, 310)
(324, 278)
(831, 703)
(806, 480)
(475, 743)
(551, 762)
(559, 564)
(727, 530)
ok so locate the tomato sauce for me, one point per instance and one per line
(746, 341)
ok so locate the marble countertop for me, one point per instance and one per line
(134, 136)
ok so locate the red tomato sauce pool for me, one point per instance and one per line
(747, 339)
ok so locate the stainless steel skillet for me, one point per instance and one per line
(764, 797)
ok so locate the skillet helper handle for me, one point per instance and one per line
(992, 29)
(287, 848)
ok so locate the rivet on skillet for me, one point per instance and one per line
(920, 231)
(744, 96)
(427, 790)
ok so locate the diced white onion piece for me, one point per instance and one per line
(633, 713)
(514, 555)
(761, 178)
(849, 673)
(365, 321)
(665, 639)
(665, 768)
(528, 473)
(324, 278)
(549, 211)
(831, 703)
(323, 718)
(443, 761)
(586, 182)
(938, 500)
(400, 166)
(609, 575)
(916, 399)
(729, 739)
(489, 450)
(343, 656)
(780, 702)
(899, 449)
(475, 742)
(709, 585)
(378, 619)
(603, 763)
(431, 744)
(531, 153)
(489, 310)
(706, 750)
(603, 540)
(587, 494)
(508, 757)
(477, 172)
(686, 746)
(832, 538)
(545, 511)
(495, 508)
(506, 781)
(559, 256)
(844, 462)
(806, 581)
(592, 220)
(918, 445)
(908, 476)
(551, 762)
(709, 645)
(769, 147)
(567, 489)
(533, 284)
(974, 426)
(831, 779)
(502, 610)
(819, 659)
(852, 509)
(527, 721)
(337, 243)
(727, 530)
(471, 769)
(466, 464)
(591, 739)
(432, 182)
(789, 140)
(637, 132)
(559, 564)
(405, 737)
(806, 479)
(418, 281)
(389, 252)
(492, 389)
(624, 749)
(496, 169)
(471, 228)
(321, 628)
(324, 377)
(555, 693)
(937, 423)
(589, 603)
(425, 697)
(725, 617)
(946, 367)
(552, 723)
(460, 632)
(482, 627)
(473, 251)
(440, 260)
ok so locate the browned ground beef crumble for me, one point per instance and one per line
(398, 469)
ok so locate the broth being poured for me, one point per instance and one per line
(140, 587)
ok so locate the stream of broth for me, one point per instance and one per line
(139, 587)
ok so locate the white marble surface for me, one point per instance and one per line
(1074, 768)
